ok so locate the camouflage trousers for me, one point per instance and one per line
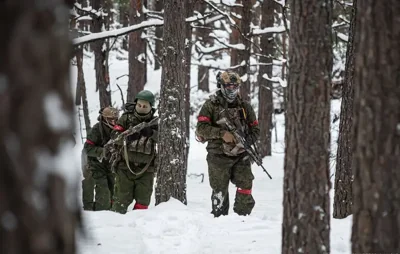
(221, 170)
(88, 190)
(104, 187)
(129, 187)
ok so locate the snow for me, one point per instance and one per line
(276, 29)
(173, 228)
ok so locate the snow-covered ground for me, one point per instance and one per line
(173, 228)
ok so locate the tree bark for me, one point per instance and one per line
(235, 34)
(82, 87)
(306, 211)
(100, 59)
(124, 20)
(159, 34)
(244, 55)
(376, 152)
(188, 59)
(137, 52)
(171, 173)
(266, 106)
(342, 203)
(202, 34)
(36, 108)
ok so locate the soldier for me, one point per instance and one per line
(226, 158)
(88, 183)
(99, 167)
(135, 172)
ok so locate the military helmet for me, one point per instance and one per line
(228, 77)
(146, 95)
(110, 112)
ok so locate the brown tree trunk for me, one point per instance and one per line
(82, 88)
(137, 52)
(342, 203)
(36, 108)
(376, 158)
(159, 34)
(100, 58)
(124, 20)
(244, 55)
(266, 106)
(306, 206)
(202, 34)
(188, 59)
(235, 34)
(171, 172)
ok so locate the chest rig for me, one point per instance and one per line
(237, 116)
(144, 145)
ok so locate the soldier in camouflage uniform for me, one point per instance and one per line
(135, 172)
(226, 158)
(99, 167)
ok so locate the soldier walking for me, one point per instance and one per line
(227, 160)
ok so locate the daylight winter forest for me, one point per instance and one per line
(323, 77)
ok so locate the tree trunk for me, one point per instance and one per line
(100, 59)
(36, 108)
(137, 52)
(235, 34)
(124, 20)
(342, 203)
(244, 55)
(266, 106)
(82, 88)
(159, 35)
(171, 173)
(306, 211)
(188, 59)
(203, 73)
(376, 159)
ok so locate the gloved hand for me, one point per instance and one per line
(133, 137)
(228, 137)
(146, 132)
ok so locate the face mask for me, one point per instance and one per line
(230, 92)
(142, 107)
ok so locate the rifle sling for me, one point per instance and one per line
(127, 160)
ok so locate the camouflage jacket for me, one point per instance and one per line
(143, 149)
(213, 110)
(97, 137)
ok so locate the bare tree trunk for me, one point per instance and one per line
(124, 20)
(188, 59)
(342, 203)
(82, 87)
(159, 35)
(306, 206)
(100, 59)
(234, 36)
(266, 106)
(171, 173)
(36, 107)
(137, 52)
(376, 158)
(203, 73)
(244, 55)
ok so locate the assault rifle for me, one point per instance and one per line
(240, 138)
(115, 146)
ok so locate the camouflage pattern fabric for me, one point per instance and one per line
(99, 167)
(221, 167)
(88, 185)
(129, 187)
(141, 152)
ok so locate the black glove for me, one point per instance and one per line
(146, 132)
(133, 137)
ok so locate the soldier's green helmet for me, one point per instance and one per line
(146, 95)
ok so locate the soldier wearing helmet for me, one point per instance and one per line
(99, 169)
(134, 176)
(226, 158)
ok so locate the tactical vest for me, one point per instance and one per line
(238, 117)
(140, 153)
